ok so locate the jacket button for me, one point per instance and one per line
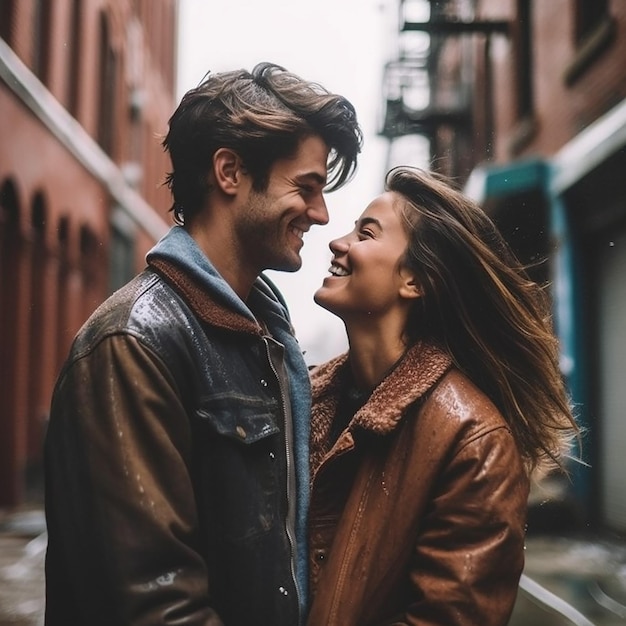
(283, 591)
(320, 555)
(263, 382)
(241, 432)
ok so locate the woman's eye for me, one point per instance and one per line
(367, 233)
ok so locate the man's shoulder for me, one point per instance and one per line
(140, 308)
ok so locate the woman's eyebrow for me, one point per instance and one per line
(364, 221)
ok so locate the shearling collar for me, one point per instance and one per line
(422, 366)
(206, 308)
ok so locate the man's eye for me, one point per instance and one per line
(367, 233)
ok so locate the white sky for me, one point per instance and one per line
(342, 44)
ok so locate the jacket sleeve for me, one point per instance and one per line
(122, 522)
(469, 554)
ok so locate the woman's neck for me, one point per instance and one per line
(372, 356)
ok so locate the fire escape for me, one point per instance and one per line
(430, 88)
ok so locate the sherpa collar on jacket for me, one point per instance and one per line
(419, 370)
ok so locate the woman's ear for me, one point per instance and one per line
(409, 287)
(228, 170)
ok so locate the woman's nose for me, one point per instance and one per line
(339, 245)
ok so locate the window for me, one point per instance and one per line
(7, 15)
(595, 31)
(74, 56)
(589, 15)
(107, 86)
(524, 93)
(122, 250)
(41, 38)
(524, 60)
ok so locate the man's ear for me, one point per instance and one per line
(228, 170)
(409, 287)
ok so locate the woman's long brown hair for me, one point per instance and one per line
(479, 304)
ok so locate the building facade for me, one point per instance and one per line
(526, 108)
(86, 89)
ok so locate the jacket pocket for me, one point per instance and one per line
(241, 454)
(240, 417)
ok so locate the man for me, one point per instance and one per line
(177, 449)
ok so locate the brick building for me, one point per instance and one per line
(525, 106)
(86, 89)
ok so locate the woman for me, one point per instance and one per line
(424, 436)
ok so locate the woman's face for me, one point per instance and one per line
(366, 276)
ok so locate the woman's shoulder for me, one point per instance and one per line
(458, 403)
(460, 422)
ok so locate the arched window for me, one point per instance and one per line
(64, 330)
(11, 246)
(93, 272)
(9, 242)
(39, 328)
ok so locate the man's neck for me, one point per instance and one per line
(218, 244)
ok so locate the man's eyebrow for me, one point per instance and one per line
(312, 176)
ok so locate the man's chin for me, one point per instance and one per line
(290, 265)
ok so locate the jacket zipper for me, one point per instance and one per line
(290, 521)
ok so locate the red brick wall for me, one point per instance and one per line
(55, 272)
(561, 110)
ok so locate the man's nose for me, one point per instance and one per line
(318, 211)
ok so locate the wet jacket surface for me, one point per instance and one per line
(167, 463)
(417, 511)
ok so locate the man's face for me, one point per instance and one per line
(270, 225)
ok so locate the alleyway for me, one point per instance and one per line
(587, 573)
(22, 551)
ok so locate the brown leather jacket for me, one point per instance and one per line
(418, 510)
(167, 461)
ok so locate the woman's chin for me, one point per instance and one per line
(320, 297)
